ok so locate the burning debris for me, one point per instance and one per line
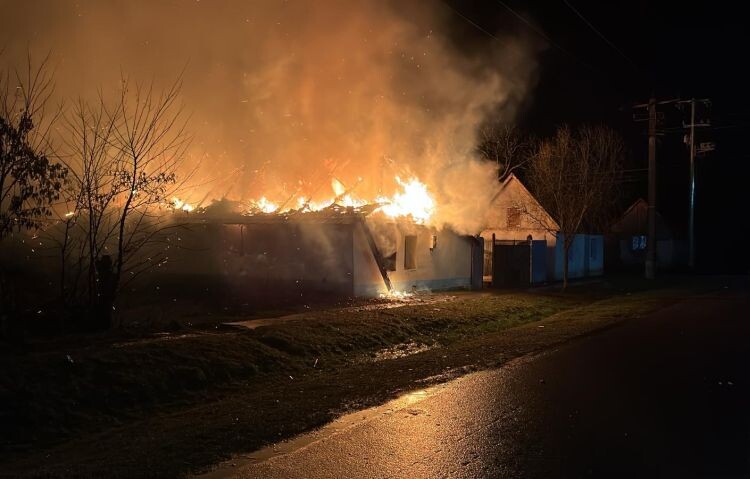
(180, 205)
(263, 205)
(413, 201)
(396, 295)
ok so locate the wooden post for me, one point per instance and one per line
(651, 245)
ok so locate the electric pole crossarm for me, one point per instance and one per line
(662, 102)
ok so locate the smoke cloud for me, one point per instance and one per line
(285, 95)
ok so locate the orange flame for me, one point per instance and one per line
(413, 201)
(264, 205)
(179, 204)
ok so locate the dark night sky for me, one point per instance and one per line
(675, 50)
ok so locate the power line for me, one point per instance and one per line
(725, 127)
(600, 34)
(615, 81)
(532, 27)
(472, 22)
(548, 39)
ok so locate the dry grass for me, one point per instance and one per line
(51, 395)
(182, 389)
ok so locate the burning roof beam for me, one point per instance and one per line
(376, 254)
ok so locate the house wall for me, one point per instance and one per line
(576, 258)
(513, 194)
(585, 257)
(594, 255)
(294, 261)
(447, 266)
(310, 256)
(281, 261)
(669, 253)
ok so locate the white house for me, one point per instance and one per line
(526, 239)
(336, 252)
(507, 221)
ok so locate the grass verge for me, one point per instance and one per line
(177, 403)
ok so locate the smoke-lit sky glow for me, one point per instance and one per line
(283, 96)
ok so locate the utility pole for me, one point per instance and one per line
(653, 118)
(704, 148)
(651, 244)
(691, 219)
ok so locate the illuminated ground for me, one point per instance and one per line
(664, 395)
(177, 403)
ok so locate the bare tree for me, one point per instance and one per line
(30, 178)
(124, 162)
(505, 145)
(30, 181)
(90, 198)
(575, 176)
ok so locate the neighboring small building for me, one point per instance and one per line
(525, 251)
(506, 218)
(628, 240)
(511, 260)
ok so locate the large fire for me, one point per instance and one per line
(413, 201)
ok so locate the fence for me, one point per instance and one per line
(512, 263)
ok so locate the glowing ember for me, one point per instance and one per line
(414, 202)
(179, 204)
(69, 214)
(396, 295)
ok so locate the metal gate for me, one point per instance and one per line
(513, 264)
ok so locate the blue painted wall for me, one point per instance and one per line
(585, 257)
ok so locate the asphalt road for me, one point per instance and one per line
(667, 395)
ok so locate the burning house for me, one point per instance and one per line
(366, 250)
(386, 92)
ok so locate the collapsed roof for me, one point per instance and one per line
(333, 214)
